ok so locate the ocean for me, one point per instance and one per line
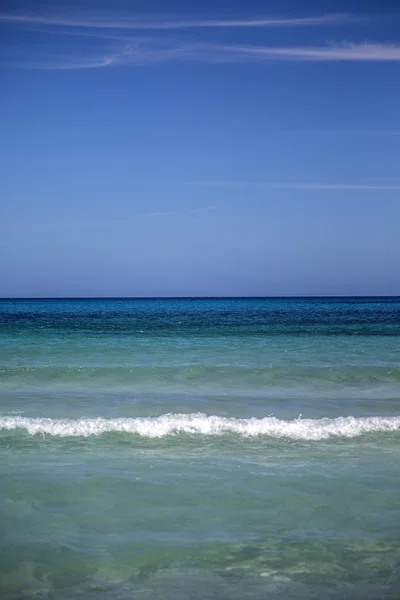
(200, 449)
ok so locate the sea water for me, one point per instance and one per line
(200, 448)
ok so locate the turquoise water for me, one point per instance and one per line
(191, 449)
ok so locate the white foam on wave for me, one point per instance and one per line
(201, 424)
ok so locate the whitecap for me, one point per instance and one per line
(205, 425)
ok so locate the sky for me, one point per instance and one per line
(179, 148)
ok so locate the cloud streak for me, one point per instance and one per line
(176, 213)
(124, 40)
(358, 132)
(141, 52)
(160, 214)
(342, 186)
(204, 209)
(128, 221)
(346, 51)
(297, 186)
(112, 21)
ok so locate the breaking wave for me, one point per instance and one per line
(204, 425)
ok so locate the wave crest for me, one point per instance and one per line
(201, 424)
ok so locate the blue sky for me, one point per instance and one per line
(180, 149)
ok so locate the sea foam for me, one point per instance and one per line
(201, 424)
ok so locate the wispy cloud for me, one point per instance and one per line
(112, 20)
(133, 40)
(204, 209)
(65, 63)
(357, 132)
(384, 179)
(175, 213)
(56, 228)
(160, 214)
(296, 186)
(343, 186)
(345, 51)
(140, 52)
(136, 52)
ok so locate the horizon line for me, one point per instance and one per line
(12, 298)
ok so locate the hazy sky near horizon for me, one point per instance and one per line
(200, 149)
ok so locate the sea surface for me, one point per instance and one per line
(187, 449)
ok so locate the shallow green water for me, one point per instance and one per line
(181, 449)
